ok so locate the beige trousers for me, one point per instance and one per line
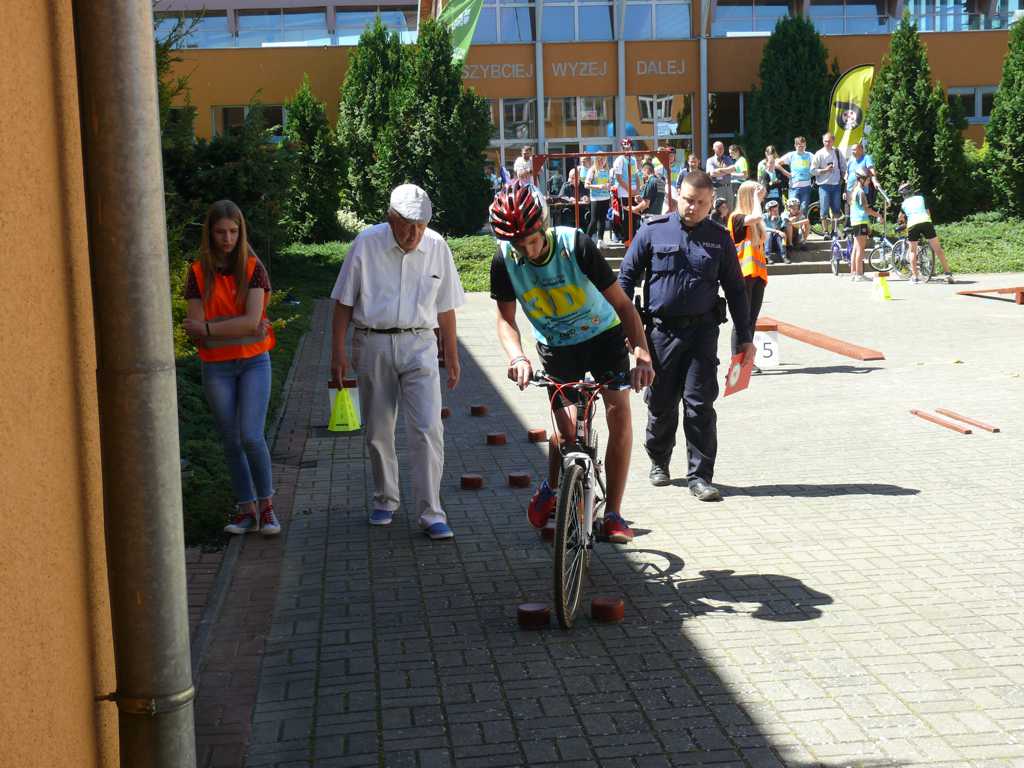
(401, 369)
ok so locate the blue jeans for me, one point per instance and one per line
(238, 392)
(803, 194)
(830, 198)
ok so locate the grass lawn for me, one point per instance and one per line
(985, 242)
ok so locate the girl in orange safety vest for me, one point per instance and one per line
(227, 292)
(746, 226)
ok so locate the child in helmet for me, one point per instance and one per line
(915, 215)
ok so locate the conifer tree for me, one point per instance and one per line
(914, 136)
(310, 205)
(440, 135)
(1005, 134)
(367, 109)
(795, 84)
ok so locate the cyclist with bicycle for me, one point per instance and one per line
(581, 320)
(918, 219)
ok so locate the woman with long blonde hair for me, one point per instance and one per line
(227, 293)
(746, 225)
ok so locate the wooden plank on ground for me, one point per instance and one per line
(940, 422)
(967, 420)
(840, 347)
(1016, 291)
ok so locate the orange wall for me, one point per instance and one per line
(232, 77)
(55, 629)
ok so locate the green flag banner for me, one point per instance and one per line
(849, 105)
(460, 16)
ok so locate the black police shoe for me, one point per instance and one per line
(659, 474)
(704, 490)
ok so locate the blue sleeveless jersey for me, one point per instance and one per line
(563, 305)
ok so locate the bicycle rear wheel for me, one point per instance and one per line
(925, 261)
(570, 545)
(901, 259)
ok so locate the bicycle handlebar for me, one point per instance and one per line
(543, 379)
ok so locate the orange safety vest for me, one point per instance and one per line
(752, 260)
(220, 306)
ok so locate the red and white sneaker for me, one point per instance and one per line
(542, 506)
(616, 530)
(242, 522)
(269, 524)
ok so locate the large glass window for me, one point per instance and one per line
(725, 114)
(258, 27)
(210, 31)
(660, 20)
(850, 17)
(352, 21)
(520, 118)
(595, 21)
(559, 22)
(661, 116)
(308, 27)
(740, 17)
(976, 102)
(1006, 12)
(946, 15)
(516, 24)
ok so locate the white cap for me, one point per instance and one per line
(411, 202)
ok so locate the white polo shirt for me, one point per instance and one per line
(388, 288)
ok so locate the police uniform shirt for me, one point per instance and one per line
(686, 267)
(389, 288)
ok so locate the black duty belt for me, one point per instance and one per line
(394, 330)
(682, 322)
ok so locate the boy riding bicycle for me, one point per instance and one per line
(915, 215)
(581, 319)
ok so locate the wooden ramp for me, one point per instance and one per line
(840, 347)
(1017, 292)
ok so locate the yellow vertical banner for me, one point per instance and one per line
(849, 105)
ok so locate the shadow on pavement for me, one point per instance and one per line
(815, 370)
(814, 491)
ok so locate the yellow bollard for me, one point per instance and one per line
(882, 280)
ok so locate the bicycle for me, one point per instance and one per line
(581, 493)
(883, 256)
(842, 247)
(818, 226)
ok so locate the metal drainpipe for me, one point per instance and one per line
(136, 382)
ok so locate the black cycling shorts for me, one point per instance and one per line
(604, 357)
(925, 229)
(860, 229)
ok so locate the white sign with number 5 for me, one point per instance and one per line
(767, 345)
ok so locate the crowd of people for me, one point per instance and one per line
(690, 231)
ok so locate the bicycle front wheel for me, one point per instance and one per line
(837, 256)
(570, 545)
(880, 258)
(925, 261)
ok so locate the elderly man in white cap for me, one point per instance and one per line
(397, 284)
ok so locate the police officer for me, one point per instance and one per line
(682, 258)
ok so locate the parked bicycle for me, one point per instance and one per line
(842, 246)
(581, 492)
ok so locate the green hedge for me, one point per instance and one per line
(984, 242)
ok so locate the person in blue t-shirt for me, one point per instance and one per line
(915, 215)
(582, 320)
(796, 166)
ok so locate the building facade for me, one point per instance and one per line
(573, 75)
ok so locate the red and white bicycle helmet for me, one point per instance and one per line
(518, 211)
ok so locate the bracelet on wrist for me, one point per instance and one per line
(519, 359)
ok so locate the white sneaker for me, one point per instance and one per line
(914, 280)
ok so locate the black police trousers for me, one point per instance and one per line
(685, 367)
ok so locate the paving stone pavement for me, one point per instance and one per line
(854, 600)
